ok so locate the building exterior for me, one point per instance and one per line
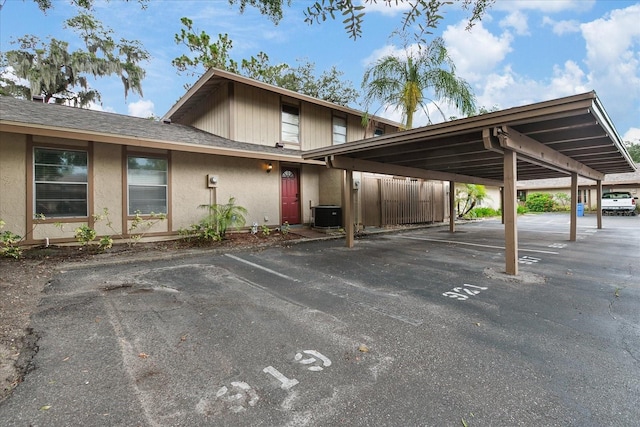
(229, 136)
(587, 191)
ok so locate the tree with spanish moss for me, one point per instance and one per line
(49, 69)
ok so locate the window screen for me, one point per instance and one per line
(60, 182)
(290, 123)
(147, 185)
(339, 130)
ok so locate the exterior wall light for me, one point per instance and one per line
(269, 167)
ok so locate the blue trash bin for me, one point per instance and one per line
(580, 209)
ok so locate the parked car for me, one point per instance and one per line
(618, 203)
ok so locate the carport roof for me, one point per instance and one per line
(552, 139)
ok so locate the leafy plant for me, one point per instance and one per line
(139, 223)
(284, 230)
(143, 225)
(540, 202)
(9, 243)
(468, 197)
(482, 213)
(219, 218)
(105, 242)
(85, 234)
(265, 230)
(562, 200)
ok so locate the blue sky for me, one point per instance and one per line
(523, 51)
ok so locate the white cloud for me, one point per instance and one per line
(561, 27)
(384, 8)
(518, 21)
(9, 73)
(546, 6)
(568, 80)
(142, 108)
(613, 59)
(98, 107)
(612, 38)
(390, 50)
(476, 52)
(386, 50)
(506, 89)
(632, 135)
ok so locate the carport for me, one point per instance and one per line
(571, 136)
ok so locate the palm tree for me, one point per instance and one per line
(470, 196)
(403, 82)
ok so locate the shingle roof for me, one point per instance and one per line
(90, 122)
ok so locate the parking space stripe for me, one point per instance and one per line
(475, 244)
(268, 270)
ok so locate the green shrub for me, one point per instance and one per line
(482, 213)
(85, 234)
(218, 220)
(540, 202)
(9, 243)
(522, 210)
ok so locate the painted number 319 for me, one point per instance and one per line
(462, 293)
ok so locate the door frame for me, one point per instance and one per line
(298, 169)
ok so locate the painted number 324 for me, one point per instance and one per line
(462, 293)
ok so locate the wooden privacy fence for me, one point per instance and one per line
(391, 201)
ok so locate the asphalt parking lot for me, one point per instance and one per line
(413, 328)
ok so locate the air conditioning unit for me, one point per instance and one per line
(327, 216)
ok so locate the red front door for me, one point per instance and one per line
(290, 195)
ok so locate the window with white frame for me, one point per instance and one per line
(290, 123)
(339, 130)
(60, 182)
(147, 185)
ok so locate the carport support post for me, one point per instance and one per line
(452, 207)
(348, 207)
(510, 212)
(599, 203)
(502, 204)
(574, 207)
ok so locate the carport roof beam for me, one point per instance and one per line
(348, 163)
(532, 149)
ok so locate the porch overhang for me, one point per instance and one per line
(571, 136)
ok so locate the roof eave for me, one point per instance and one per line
(107, 138)
(576, 104)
